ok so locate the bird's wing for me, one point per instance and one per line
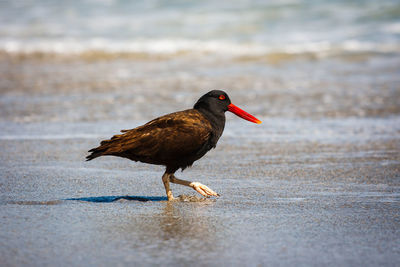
(172, 136)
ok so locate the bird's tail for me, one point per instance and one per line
(102, 150)
(94, 154)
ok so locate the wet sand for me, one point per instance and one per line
(318, 183)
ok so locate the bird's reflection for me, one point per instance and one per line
(166, 229)
(177, 221)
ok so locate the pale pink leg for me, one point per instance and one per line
(200, 188)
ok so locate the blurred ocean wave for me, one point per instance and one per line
(239, 28)
(176, 47)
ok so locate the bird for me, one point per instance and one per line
(175, 140)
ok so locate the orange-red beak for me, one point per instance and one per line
(243, 114)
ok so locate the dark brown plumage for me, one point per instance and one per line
(175, 140)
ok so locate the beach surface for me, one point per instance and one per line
(317, 183)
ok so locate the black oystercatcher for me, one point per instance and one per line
(175, 140)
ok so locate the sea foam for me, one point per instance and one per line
(191, 46)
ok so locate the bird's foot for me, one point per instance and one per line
(203, 190)
(170, 196)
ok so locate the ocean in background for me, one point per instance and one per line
(238, 28)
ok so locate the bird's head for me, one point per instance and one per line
(217, 101)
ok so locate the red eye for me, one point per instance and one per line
(221, 97)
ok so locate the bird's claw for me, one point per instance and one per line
(203, 189)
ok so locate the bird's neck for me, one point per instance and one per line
(217, 119)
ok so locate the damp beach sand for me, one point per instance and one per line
(317, 183)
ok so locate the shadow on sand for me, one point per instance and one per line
(107, 199)
(104, 199)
